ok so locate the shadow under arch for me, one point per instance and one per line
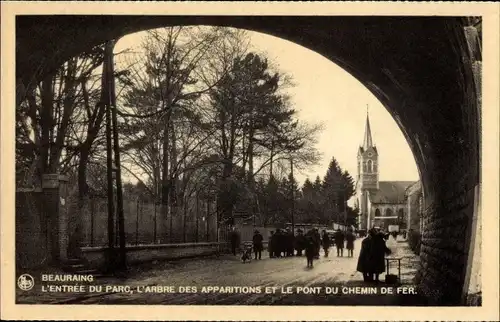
(419, 68)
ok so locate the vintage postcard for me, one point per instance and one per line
(249, 161)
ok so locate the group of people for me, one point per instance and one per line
(340, 239)
(283, 243)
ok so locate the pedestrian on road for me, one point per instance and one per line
(310, 249)
(235, 240)
(350, 238)
(325, 240)
(317, 242)
(257, 244)
(371, 260)
(270, 246)
(278, 243)
(339, 242)
(364, 260)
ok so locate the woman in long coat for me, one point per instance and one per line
(371, 261)
(350, 238)
(364, 265)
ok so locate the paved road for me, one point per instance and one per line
(286, 274)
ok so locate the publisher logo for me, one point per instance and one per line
(25, 282)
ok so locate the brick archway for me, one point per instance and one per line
(422, 69)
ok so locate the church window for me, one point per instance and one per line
(370, 165)
(388, 212)
(377, 212)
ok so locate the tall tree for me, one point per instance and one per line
(60, 118)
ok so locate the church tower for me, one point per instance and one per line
(367, 178)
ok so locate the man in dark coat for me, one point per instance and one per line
(339, 242)
(371, 260)
(325, 241)
(310, 247)
(270, 246)
(278, 243)
(350, 238)
(317, 242)
(235, 240)
(257, 244)
(378, 252)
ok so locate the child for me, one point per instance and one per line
(247, 254)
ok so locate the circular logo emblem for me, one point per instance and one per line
(25, 282)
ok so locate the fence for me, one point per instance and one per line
(150, 223)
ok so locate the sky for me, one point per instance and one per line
(325, 93)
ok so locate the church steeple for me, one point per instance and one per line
(367, 142)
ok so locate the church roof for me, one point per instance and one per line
(414, 188)
(390, 192)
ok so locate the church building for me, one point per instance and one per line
(381, 203)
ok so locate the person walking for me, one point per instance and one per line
(371, 260)
(278, 243)
(339, 242)
(317, 242)
(378, 252)
(257, 244)
(310, 247)
(270, 244)
(350, 238)
(325, 241)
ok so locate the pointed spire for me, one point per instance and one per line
(367, 142)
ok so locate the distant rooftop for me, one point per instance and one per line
(390, 192)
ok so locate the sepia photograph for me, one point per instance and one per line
(257, 160)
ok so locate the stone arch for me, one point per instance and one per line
(377, 212)
(388, 212)
(388, 58)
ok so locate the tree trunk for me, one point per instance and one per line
(46, 123)
(173, 172)
(165, 180)
(271, 160)
(250, 157)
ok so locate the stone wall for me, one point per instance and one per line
(32, 248)
(452, 193)
(95, 256)
(443, 250)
